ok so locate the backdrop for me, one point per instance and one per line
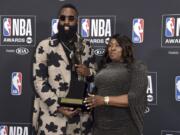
(153, 26)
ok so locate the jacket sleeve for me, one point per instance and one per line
(40, 74)
(137, 93)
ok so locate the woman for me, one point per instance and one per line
(121, 91)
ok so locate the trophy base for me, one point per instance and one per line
(73, 103)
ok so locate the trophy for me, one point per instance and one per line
(78, 92)
(78, 54)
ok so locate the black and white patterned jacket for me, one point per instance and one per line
(51, 81)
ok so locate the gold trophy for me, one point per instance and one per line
(70, 101)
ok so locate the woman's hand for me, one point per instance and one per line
(94, 101)
(68, 112)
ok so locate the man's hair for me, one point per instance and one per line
(68, 6)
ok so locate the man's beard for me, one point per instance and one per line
(66, 35)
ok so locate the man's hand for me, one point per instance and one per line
(68, 112)
(82, 70)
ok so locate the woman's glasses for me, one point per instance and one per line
(70, 18)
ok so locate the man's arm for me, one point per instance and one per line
(87, 68)
(40, 73)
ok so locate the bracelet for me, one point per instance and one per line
(106, 100)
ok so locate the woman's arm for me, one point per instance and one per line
(117, 101)
(136, 94)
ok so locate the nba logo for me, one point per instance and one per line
(177, 88)
(138, 30)
(7, 27)
(16, 83)
(3, 130)
(54, 26)
(85, 27)
(170, 27)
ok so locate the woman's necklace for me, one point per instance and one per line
(71, 51)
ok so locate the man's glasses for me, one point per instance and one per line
(70, 18)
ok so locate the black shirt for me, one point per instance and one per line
(77, 88)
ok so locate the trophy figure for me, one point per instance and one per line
(79, 49)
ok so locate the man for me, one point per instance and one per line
(58, 73)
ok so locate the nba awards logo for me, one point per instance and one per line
(14, 129)
(170, 25)
(152, 88)
(54, 26)
(85, 30)
(16, 83)
(3, 130)
(177, 88)
(138, 30)
(97, 30)
(170, 37)
(7, 27)
(18, 30)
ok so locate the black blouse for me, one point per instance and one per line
(118, 79)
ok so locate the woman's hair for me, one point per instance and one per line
(127, 51)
